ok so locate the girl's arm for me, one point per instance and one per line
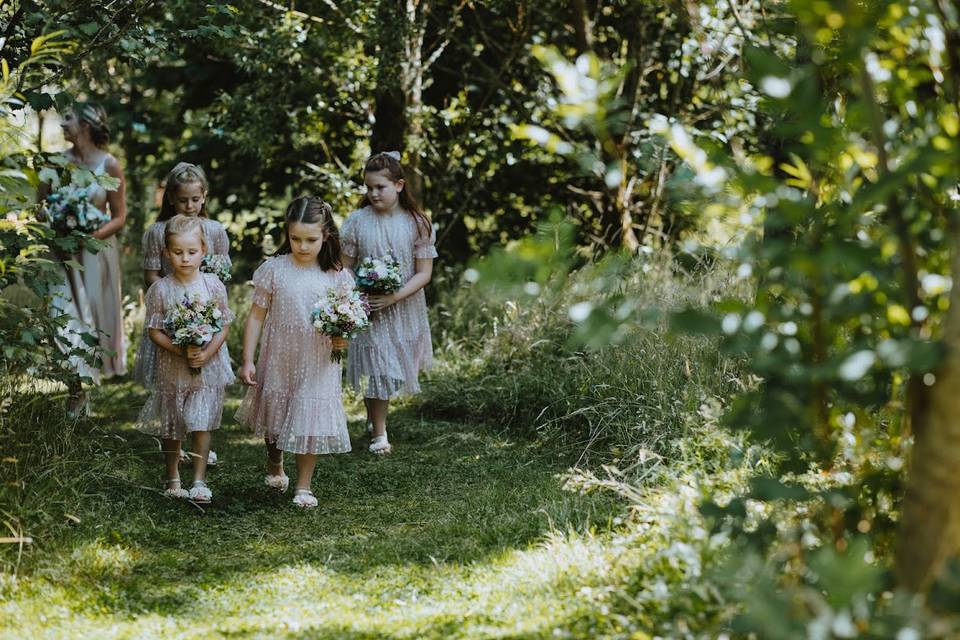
(162, 340)
(251, 336)
(198, 356)
(348, 262)
(117, 201)
(423, 272)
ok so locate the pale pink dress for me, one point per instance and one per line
(154, 259)
(92, 299)
(181, 402)
(397, 347)
(297, 402)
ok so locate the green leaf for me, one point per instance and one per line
(695, 321)
(769, 488)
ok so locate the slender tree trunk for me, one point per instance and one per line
(413, 89)
(930, 516)
(390, 113)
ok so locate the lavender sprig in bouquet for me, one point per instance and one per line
(69, 209)
(342, 312)
(379, 276)
(193, 322)
(217, 265)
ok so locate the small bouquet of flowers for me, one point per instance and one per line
(193, 322)
(342, 312)
(217, 265)
(379, 276)
(69, 209)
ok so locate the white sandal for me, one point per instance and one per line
(200, 492)
(179, 492)
(380, 445)
(304, 498)
(211, 457)
(369, 429)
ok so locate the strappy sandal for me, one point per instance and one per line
(278, 482)
(369, 429)
(78, 405)
(304, 499)
(177, 492)
(211, 457)
(380, 446)
(200, 492)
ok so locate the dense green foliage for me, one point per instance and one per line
(696, 256)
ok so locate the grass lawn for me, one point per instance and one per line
(463, 532)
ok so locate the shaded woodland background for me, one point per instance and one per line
(707, 247)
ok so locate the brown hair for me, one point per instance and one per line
(183, 173)
(310, 210)
(389, 161)
(95, 117)
(181, 225)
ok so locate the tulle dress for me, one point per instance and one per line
(181, 402)
(93, 301)
(155, 259)
(397, 347)
(297, 402)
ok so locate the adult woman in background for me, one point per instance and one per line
(93, 296)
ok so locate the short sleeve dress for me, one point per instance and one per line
(181, 402)
(297, 402)
(154, 259)
(397, 347)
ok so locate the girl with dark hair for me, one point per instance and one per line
(294, 400)
(92, 296)
(397, 347)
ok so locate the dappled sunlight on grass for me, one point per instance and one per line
(454, 534)
(525, 591)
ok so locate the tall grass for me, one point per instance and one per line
(50, 465)
(511, 363)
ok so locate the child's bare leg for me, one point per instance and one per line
(274, 459)
(377, 414)
(201, 447)
(171, 459)
(306, 463)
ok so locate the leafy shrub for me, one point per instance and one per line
(516, 363)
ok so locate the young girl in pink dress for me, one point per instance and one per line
(294, 400)
(397, 347)
(185, 193)
(181, 401)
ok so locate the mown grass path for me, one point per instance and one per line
(455, 535)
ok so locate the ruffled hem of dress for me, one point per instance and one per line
(425, 253)
(388, 372)
(261, 297)
(296, 424)
(173, 415)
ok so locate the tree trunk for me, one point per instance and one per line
(398, 112)
(390, 114)
(930, 516)
(413, 90)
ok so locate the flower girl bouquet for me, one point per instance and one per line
(342, 312)
(193, 322)
(217, 265)
(69, 209)
(379, 276)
